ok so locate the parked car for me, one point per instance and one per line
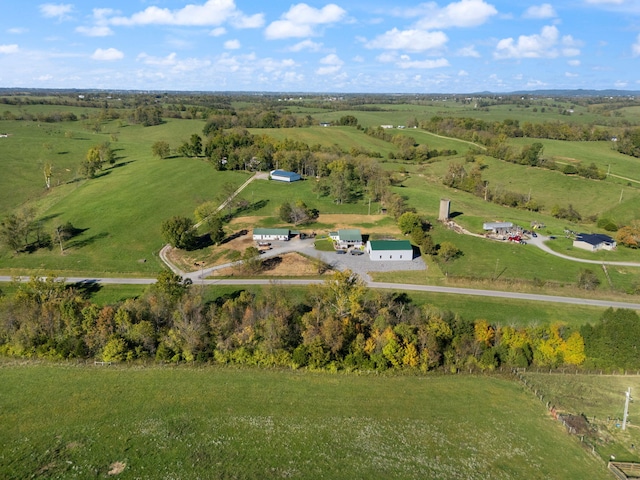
(534, 234)
(356, 252)
(341, 252)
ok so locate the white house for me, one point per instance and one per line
(271, 234)
(389, 250)
(594, 242)
(348, 237)
(284, 176)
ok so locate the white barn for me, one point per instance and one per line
(284, 176)
(389, 250)
(271, 234)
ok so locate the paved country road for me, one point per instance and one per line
(380, 285)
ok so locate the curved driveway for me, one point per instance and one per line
(539, 242)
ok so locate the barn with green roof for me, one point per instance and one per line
(389, 250)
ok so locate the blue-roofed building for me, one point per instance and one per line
(594, 242)
(284, 176)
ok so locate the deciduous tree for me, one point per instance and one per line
(178, 232)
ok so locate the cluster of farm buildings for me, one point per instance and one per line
(347, 240)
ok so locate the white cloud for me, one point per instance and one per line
(570, 75)
(574, 63)
(17, 30)
(409, 40)
(301, 21)
(422, 64)
(635, 48)
(108, 54)
(468, 52)
(95, 31)
(605, 2)
(545, 10)
(463, 73)
(232, 44)
(306, 45)
(59, 11)
(7, 49)
(332, 64)
(217, 32)
(162, 61)
(543, 45)
(212, 12)
(172, 64)
(465, 13)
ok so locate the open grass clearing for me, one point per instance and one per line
(222, 422)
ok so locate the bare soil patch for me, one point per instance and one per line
(286, 265)
(116, 468)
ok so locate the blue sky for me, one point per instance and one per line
(348, 46)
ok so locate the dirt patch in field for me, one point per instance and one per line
(286, 265)
(337, 221)
(214, 255)
(116, 468)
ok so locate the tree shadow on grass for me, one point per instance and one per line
(203, 241)
(80, 243)
(237, 234)
(86, 288)
(219, 301)
(271, 263)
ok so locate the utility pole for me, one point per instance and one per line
(626, 408)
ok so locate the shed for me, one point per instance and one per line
(500, 228)
(594, 242)
(389, 250)
(347, 237)
(271, 234)
(284, 176)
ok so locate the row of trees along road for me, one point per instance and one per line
(338, 325)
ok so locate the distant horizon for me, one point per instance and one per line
(368, 47)
(577, 92)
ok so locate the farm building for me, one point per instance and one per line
(389, 250)
(594, 242)
(349, 237)
(271, 233)
(284, 176)
(498, 228)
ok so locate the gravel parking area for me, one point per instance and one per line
(359, 264)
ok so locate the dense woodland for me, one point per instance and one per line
(340, 325)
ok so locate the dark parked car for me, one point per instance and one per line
(341, 252)
(356, 252)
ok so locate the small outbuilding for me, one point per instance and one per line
(594, 242)
(261, 234)
(499, 228)
(284, 176)
(348, 237)
(389, 250)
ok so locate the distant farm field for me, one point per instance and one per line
(85, 421)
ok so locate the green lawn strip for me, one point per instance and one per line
(222, 422)
(601, 399)
(621, 254)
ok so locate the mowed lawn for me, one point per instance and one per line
(85, 421)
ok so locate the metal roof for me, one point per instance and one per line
(496, 225)
(350, 235)
(271, 231)
(379, 245)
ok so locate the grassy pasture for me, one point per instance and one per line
(344, 137)
(225, 423)
(601, 399)
(121, 211)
